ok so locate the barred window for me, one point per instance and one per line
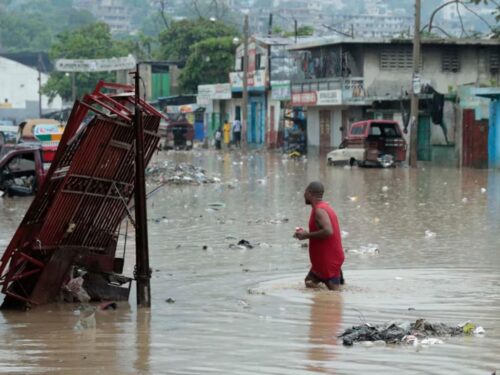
(396, 58)
(450, 61)
(494, 62)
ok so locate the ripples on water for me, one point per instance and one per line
(246, 311)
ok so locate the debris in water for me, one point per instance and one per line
(108, 306)
(421, 332)
(170, 300)
(181, 174)
(87, 319)
(429, 234)
(353, 198)
(243, 304)
(245, 243)
(483, 190)
(370, 249)
(343, 234)
(465, 200)
(385, 188)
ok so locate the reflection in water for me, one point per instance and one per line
(143, 341)
(325, 320)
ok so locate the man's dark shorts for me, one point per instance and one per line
(334, 280)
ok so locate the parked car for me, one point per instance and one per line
(8, 132)
(40, 130)
(23, 167)
(371, 143)
(178, 134)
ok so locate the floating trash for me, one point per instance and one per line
(385, 188)
(370, 249)
(168, 172)
(429, 234)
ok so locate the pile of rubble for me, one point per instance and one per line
(168, 172)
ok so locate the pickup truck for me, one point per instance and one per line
(371, 143)
(23, 168)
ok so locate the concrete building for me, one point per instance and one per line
(112, 12)
(19, 92)
(354, 79)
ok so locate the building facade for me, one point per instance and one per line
(346, 81)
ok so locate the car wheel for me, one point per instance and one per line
(330, 162)
(352, 162)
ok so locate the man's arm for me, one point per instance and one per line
(322, 222)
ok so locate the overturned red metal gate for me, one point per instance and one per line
(75, 216)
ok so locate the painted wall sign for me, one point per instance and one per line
(281, 90)
(304, 98)
(95, 65)
(329, 97)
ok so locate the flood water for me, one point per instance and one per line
(246, 311)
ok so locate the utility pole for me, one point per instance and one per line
(142, 272)
(73, 86)
(270, 28)
(295, 29)
(415, 88)
(39, 68)
(244, 109)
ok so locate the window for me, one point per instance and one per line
(22, 163)
(358, 130)
(450, 61)
(396, 58)
(494, 62)
(258, 61)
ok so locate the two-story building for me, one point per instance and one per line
(264, 105)
(353, 79)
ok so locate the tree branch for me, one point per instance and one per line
(162, 13)
(479, 16)
(461, 20)
(437, 10)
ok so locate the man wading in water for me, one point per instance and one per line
(325, 243)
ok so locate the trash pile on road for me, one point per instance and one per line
(168, 172)
(420, 333)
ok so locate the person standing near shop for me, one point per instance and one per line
(237, 132)
(227, 133)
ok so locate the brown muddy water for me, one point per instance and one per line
(246, 312)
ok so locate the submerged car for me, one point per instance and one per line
(23, 168)
(371, 143)
(178, 134)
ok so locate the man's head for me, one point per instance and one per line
(314, 192)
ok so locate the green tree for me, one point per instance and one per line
(33, 25)
(210, 61)
(88, 42)
(176, 41)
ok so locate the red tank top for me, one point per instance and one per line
(326, 254)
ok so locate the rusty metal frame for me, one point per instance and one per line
(86, 195)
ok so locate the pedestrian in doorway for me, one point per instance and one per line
(226, 129)
(325, 243)
(237, 132)
(218, 138)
